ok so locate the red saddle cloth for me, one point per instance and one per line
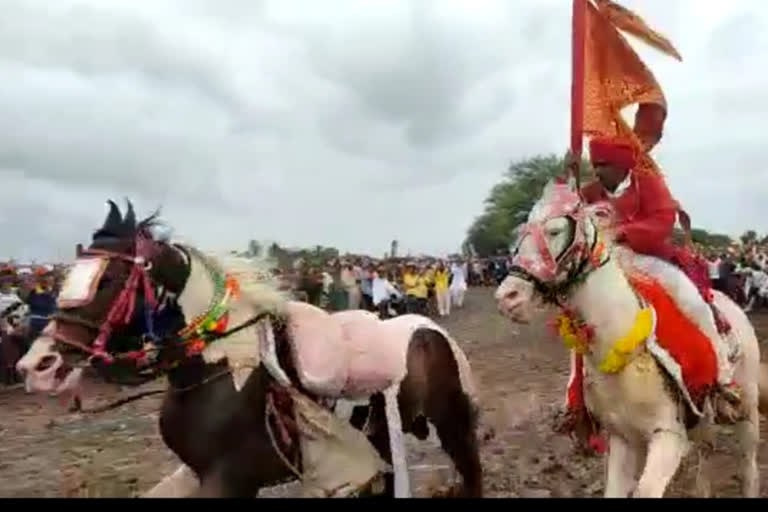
(681, 338)
(676, 334)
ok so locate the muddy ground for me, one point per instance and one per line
(521, 373)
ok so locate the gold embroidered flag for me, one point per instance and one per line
(615, 77)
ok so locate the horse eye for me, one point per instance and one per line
(554, 232)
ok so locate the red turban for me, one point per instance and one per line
(616, 151)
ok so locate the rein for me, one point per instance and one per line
(144, 394)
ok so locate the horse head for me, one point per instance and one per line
(106, 307)
(560, 242)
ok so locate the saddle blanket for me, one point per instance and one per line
(685, 341)
(685, 352)
(352, 354)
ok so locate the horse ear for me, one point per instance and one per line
(78, 250)
(551, 185)
(129, 222)
(114, 218)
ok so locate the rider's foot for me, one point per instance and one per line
(728, 405)
(731, 392)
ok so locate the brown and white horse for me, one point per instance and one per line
(560, 258)
(130, 295)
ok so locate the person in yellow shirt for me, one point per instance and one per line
(442, 279)
(415, 290)
(429, 280)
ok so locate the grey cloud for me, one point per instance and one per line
(346, 123)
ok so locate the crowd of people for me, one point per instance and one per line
(741, 272)
(428, 286)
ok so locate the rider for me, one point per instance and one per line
(645, 215)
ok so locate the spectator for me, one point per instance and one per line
(351, 285)
(41, 302)
(458, 284)
(441, 279)
(415, 290)
(382, 292)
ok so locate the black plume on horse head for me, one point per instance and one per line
(115, 225)
(129, 221)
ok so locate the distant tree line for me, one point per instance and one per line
(510, 201)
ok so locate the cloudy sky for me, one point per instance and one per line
(342, 122)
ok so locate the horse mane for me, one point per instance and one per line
(259, 287)
(259, 293)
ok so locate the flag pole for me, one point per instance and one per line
(575, 395)
(578, 29)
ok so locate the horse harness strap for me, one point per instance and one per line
(122, 309)
(205, 328)
(577, 274)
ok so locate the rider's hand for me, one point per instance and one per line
(571, 162)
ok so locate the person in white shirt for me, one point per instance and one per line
(350, 283)
(458, 283)
(382, 292)
(10, 305)
(755, 288)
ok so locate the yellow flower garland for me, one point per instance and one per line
(618, 356)
(571, 337)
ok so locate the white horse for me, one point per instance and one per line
(559, 254)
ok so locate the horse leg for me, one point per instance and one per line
(621, 474)
(432, 391)
(213, 485)
(456, 430)
(180, 484)
(665, 452)
(228, 480)
(378, 435)
(703, 438)
(749, 438)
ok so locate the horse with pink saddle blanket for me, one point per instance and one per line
(256, 382)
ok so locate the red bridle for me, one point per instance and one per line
(540, 264)
(123, 307)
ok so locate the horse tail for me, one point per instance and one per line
(763, 389)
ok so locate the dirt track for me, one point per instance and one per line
(521, 373)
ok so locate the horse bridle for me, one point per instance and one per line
(121, 314)
(590, 261)
(122, 308)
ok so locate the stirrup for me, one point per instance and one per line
(728, 406)
(731, 393)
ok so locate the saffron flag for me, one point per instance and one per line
(615, 77)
